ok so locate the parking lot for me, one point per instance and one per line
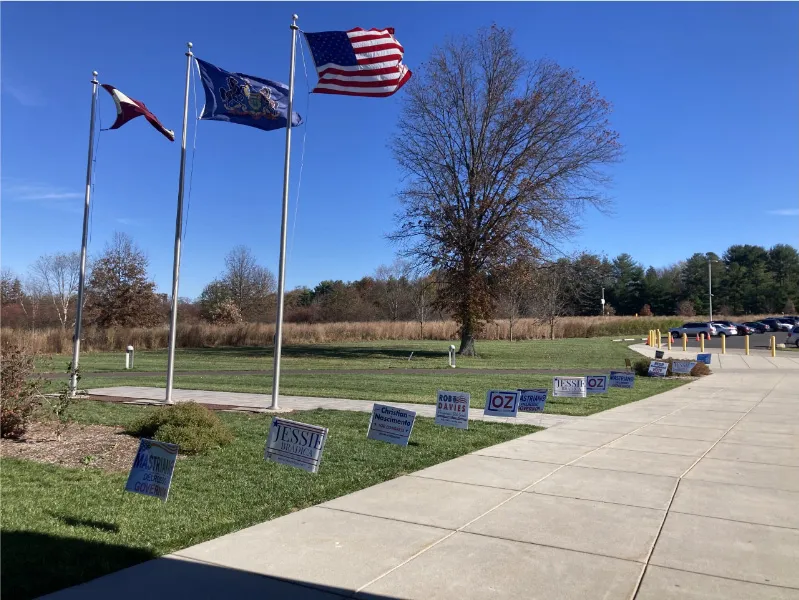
(757, 341)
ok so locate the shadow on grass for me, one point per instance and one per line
(316, 351)
(99, 525)
(36, 563)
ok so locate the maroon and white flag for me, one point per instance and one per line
(128, 108)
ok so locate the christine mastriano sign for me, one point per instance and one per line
(295, 444)
(452, 409)
(532, 400)
(621, 379)
(391, 424)
(151, 473)
(568, 387)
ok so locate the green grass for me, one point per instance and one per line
(62, 526)
(594, 353)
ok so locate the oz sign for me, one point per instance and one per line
(596, 384)
(502, 403)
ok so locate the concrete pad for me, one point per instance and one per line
(648, 463)
(755, 553)
(784, 428)
(721, 417)
(319, 547)
(605, 426)
(490, 471)
(474, 567)
(558, 454)
(572, 436)
(787, 457)
(762, 438)
(723, 405)
(683, 421)
(614, 530)
(776, 409)
(662, 445)
(737, 503)
(632, 489)
(681, 433)
(743, 473)
(668, 584)
(628, 417)
(182, 578)
(424, 501)
(767, 418)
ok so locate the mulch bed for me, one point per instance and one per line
(85, 446)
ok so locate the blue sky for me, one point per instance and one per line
(705, 98)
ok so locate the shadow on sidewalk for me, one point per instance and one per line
(35, 563)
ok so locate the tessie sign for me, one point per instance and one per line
(295, 444)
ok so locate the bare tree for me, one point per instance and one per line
(424, 290)
(31, 299)
(244, 282)
(500, 154)
(395, 286)
(58, 275)
(513, 291)
(555, 286)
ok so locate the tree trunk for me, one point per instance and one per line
(467, 342)
(552, 329)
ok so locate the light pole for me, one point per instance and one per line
(603, 302)
(710, 287)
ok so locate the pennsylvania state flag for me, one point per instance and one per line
(243, 99)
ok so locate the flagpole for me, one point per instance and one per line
(173, 315)
(73, 379)
(283, 224)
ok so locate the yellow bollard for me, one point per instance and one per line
(650, 339)
(723, 344)
(668, 340)
(773, 346)
(746, 344)
(684, 342)
(657, 333)
(701, 342)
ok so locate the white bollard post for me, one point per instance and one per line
(452, 356)
(129, 357)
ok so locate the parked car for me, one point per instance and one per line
(729, 324)
(793, 337)
(777, 324)
(758, 326)
(691, 329)
(744, 329)
(790, 319)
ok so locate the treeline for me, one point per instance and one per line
(746, 280)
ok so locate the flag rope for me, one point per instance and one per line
(193, 148)
(94, 171)
(302, 154)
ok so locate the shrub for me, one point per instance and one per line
(789, 308)
(193, 427)
(19, 391)
(686, 309)
(700, 370)
(646, 311)
(641, 367)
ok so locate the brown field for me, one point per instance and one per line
(58, 341)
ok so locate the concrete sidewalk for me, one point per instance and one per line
(688, 494)
(261, 402)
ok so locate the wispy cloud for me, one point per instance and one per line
(129, 221)
(27, 97)
(27, 192)
(785, 212)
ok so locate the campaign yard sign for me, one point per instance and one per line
(704, 358)
(532, 400)
(621, 379)
(295, 444)
(682, 367)
(596, 384)
(502, 403)
(391, 424)
(452, 409)
(568, 387)
(151, 473)
(658, 368)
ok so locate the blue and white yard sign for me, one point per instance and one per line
(151, 473)
(452, 409)
(621, 379)
(704, 358)
(295, 444)
(502, 403)
(596, 384)
(532, 400)
(391, 424)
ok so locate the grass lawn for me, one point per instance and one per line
(64, 526)
(592, 353)
(417, 388)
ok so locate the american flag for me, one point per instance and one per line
(358, 62)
